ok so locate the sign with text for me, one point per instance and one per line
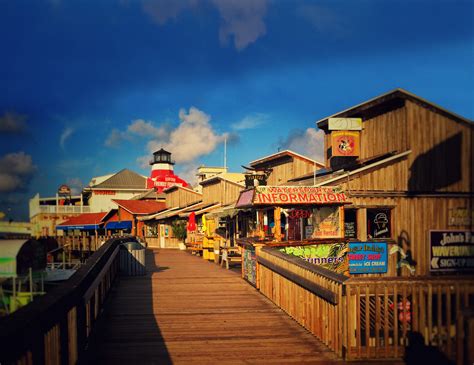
(451, 251)
(345, 124)
(368, 257)
(330, 256)
(345, 143)
(460, 217)
(327, 222)
(378, 223)
(294, 195)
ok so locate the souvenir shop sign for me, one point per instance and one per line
(345, 143)
(345, 124)
(294, 195)
(327, 222)
(329, 256)
(451, 251)
(368, 257)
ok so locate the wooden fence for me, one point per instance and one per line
(370, 318)
(55, 328)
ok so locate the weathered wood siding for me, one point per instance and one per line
(181, 198)
(412, 218)
(441, 157)
(220, 191)
(288, 169)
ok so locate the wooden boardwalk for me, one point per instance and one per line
(188, 311)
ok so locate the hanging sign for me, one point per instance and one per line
(345, 143)
(378, 223)
(451, 251)
(368, 257)
(327, 222)
(345, 124)
(64, 190)
(294, 195)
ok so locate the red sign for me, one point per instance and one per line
(345, 143)
(299, 213)
(293, 195)
(104, 192)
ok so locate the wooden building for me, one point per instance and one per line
(285, 165)
(414, 172)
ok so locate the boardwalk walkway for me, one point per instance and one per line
(188, 311)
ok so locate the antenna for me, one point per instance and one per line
(225, 153)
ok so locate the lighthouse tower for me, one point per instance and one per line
(162, 175)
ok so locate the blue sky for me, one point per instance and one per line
(91, 87)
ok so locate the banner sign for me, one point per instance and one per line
(345, 124)
(451, 251)
(327, 222)
(368, 257)
(330, 256)
(293, 195)
(345, 143)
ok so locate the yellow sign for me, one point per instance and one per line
(345, 124)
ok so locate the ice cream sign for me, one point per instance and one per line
(367, 257)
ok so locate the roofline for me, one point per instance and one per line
(181, 187)
(217, 177)
(276, 155)
(97, 223)
(137, 189)
(128, 210)
(323, 122)
(367, 167)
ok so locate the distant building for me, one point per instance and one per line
(162, 174)
(124, 185)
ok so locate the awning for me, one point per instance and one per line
(83, 227)
(208, 209)
(119, 225)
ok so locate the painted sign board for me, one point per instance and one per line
(451, 251)
(368, 257)
(460, 217)
(245, 198)
(329, 256)
(378, 223)
(294, 195)
(327, 222)
(345, 143)
(345, 124)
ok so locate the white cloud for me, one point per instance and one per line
(147, 129)
(161, 11)
(250, 122)
(67, 132)
(242, 20)
(309, 142)
(114, 138)
(188, 171)
(12, 123)
(193, 138)
(16, 170)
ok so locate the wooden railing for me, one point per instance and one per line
(55, 328)
(82, 243)
(370, 318)
(311, 295)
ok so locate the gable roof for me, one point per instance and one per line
(281, 154)
(124, 179)
(235, 178)
(85, 219)
(389, 98)
(177, 187)
(150, 194)
(141, 206)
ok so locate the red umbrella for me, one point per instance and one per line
(192, 222)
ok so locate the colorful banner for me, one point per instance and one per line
(451, 251)
(294, 195)
(329, 256)
(368, 257)
(345, 143)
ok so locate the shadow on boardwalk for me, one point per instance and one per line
(127, 332)
(189, 311)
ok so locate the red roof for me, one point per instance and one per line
(141, 206)
(85, 219)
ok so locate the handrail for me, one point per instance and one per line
(68, 310)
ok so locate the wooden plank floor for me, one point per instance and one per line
(187, 310)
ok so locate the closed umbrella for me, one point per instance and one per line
(192, 222)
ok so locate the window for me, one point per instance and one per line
(350, 223)
(379, 223)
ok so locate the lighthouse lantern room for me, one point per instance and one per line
(162, 175)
